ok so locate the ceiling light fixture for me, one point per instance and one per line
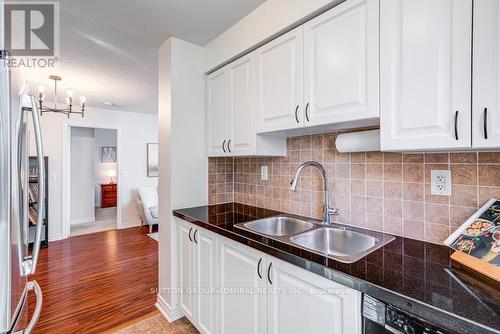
(67, 110)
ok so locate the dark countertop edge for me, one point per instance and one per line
(408, 304)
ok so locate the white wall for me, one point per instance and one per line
(103, 137)
(270, 18)
(137, 129)
(183, 162)
(82, 175)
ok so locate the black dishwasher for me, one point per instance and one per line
(381, 318)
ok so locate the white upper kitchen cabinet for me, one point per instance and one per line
(280, 82)
(486, 75)
(242, 312)
(425, 74)
(232, 114)
(310, 303)
(218, 118)
(242, 105)
(341, 64)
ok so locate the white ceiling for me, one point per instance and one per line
(109, 47)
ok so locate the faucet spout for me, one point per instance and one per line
(326, 198)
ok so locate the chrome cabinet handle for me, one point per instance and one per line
(307, 112)
(296, 113)
(485, 123)
(269, 273)
(223, 148)
(33, 286)
(33, 261)
(229, 145)
(194, 236)
(258, 268)
(189, 235)
(456, 125)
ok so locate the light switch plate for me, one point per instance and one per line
(264, 173)
(441, 182)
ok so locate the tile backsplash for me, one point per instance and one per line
(387, 192)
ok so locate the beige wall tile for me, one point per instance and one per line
(392, 158)
(489, 157)
(393, 190)
(413, 172)
(393, 207)
(436, 158)
(413, 158)
(489, 175)
(374, 157)
(413, 210)
(393, 172)
(464, 174)
(413, 229)
(413, 191)
(374, 172)
(464, 195)
(436, 233)
(374, 188)
(463, 157)
(437, 213)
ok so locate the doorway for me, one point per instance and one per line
(93, 171)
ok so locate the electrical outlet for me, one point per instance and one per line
(441, 182)
(264, 173)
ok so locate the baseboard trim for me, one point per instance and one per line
(131, 223)
(165, 309)
(55, 237)
(81, 221)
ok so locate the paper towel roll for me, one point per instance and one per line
(363, 141)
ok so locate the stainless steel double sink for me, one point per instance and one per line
(340, 242)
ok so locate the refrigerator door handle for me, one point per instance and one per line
(30, 262)
(33, 286)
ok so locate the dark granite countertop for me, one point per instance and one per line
(412, 275)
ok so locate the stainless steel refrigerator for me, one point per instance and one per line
(16, 265)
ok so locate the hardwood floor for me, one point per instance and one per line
(95, 282)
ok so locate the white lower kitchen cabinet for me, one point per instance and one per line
(197, 269)
(257, 293)
(186, 269)
(241, 308)
(308, 303)
(205, 279)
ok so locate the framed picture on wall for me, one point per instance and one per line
(152, 150)
(108, 153)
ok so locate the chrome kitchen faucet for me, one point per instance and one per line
(327, 212)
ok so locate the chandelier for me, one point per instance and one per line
(65, 110)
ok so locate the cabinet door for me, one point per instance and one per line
(341, 64)
(486, 75)
(308, 303)
(206, 315)
(217, 112)
(425, 79)
(186, 270)
(280, 82)
(241, 311)
(242, 108)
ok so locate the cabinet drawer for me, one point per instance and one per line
(108, 194)
(108, 202)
